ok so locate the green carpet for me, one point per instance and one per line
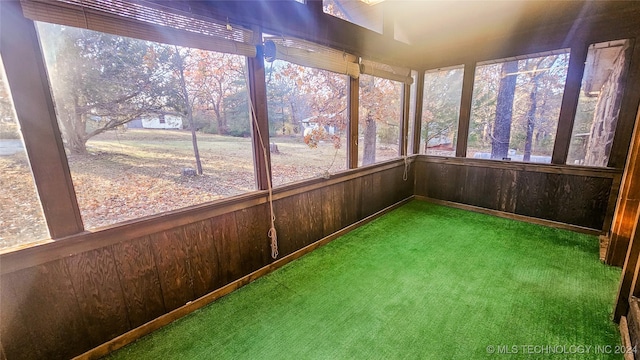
(422, 282)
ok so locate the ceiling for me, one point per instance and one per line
(426, 24)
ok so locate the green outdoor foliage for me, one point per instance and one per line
(441, 106)
(422, 282)
(533, 93)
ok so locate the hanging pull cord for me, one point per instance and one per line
(405, 175)
(273, 235)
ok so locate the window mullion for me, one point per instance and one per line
(465, 109)
(260, 127)
(569, 104)
(25, 69)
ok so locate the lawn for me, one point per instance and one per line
(136, 173)
(422, 282)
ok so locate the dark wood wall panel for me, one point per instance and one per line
(333, 203)
(202, 257)
(99, 294)
(174, 268)
(253, 228)
(580, 200)
(139, 279)
(40, 317)
(225, 234)
(353, 199)
(289, 233)
(65, 307)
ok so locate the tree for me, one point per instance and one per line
(216, 77)
(296, 93)
(504, 110)
(379, 107)
(180, 68)
(8, 124)
(441, 104)
(101, 81)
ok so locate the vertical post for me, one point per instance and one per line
(417, 122)
(626, 207)
(404, 123)
(629, 283)
(569, 103)
(353, 102)
(260, 131)
(465, 108)
(27, 78)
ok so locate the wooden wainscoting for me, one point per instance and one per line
(63, 298)
(577, 196)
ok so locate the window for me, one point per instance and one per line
(111, 95)
(308, 119)
(599, 103)
(380, 115)
(441, 111)
(21, 218)
(365, 13)
(515, 109)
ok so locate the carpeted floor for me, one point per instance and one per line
(422, 282)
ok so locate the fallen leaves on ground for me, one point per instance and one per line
(138, 173)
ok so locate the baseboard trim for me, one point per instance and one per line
(507, 215)
(157, 323)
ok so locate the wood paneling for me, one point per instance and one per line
(252, 229)
(622, 244)
(99, 294)
(40, 316)
(139, 280)
(367, 199)
(202, 257)
(170, 251)
(225, 234)
(333, 216)
(576, 199)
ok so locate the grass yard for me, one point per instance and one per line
(422, 282)
(136, 173)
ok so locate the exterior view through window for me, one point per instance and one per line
(599, 103)
(308, 120)
(21, 219)
(515, 109)
(147, 127)
(441, 111)
(356, 12)
(380, 113)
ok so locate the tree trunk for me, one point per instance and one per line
(504, 111)
(531, 118)
(369, 156)
(194, 141)
(187, 103)
(74, 132)
(220, 120)
(76, 143)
